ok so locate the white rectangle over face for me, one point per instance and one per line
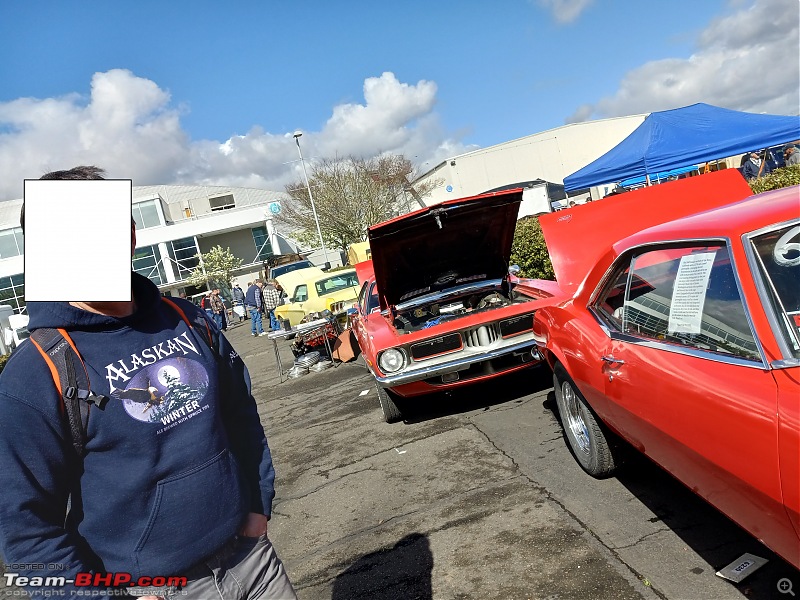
(78, 240)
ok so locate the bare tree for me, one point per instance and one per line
(350, 195)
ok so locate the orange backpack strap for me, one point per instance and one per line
(198, 323)
(71, 380)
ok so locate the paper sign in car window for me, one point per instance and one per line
(689, 293)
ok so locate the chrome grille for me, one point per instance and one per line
(482, 336)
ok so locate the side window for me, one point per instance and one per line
(362, 295)
(612, 301)
(300, 293)
(685, 296)
(372, 301)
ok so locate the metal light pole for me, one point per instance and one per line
(297, 135)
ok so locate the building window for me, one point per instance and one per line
(222, 202)
(183, 253)
(12, 292)
(263, 246)
(11, 243)
(146, 214)
(147, 262)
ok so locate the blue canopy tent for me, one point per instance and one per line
(681, 137)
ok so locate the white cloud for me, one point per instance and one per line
(128, 126)
(565, 11)
(746, 61)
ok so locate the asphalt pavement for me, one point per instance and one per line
(475, 496)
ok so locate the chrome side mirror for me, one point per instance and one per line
(514, 270)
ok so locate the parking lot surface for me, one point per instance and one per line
(475, 496)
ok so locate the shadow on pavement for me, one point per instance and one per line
(403, 571)
(713, 536)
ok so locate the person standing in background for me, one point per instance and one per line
(254, 304)
(272, 298)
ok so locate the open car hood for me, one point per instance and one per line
(577, 238)
(441, 246)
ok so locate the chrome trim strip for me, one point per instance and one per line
(443, 294)
(687, 351)
(789, 363)
(450, 367)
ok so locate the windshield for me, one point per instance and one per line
(778, 254)
(337, 282)
(277, 271)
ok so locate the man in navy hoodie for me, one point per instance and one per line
(178, 485)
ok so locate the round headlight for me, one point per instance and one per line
(392, 360)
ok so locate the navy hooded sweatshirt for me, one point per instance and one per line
(174, 462)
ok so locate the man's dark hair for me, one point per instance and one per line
(82, 172)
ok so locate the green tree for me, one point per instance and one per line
(529, 251)
(350, 195)
(215, 268)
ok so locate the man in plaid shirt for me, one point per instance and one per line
(272, 298)
(218, 310)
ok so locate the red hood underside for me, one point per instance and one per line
(448, 244)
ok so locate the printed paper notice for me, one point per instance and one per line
(689, 293)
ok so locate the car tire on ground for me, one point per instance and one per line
(391, 413)
(587, 438)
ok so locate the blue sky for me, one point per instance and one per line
(206, 92)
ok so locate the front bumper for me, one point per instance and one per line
(457, 364)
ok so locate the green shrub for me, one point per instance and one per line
(3, 360)
(529, 250)
(779, 178)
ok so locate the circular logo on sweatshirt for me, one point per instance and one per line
(169, 391)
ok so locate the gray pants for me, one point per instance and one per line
(243, 569)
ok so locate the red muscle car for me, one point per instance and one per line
(680, 333)
(438, 308)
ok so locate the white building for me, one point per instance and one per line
(550, 156)
(174, 223)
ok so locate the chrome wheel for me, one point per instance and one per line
(574, 418)
(587, 438)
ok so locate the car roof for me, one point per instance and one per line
(292, 279)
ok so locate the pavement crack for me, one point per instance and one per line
(583, 526)
(641, 539)
(346, 540)
(321, 486)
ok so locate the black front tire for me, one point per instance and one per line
(589, 440)
(391, 413)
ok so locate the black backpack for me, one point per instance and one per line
(72, 379)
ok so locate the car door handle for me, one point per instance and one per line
(612, 360)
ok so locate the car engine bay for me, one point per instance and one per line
(451, 308)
